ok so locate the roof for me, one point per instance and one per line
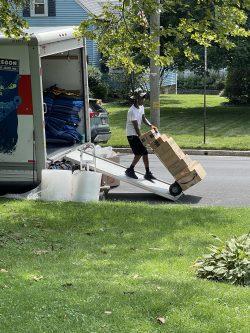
(95, 6)
(43, 35)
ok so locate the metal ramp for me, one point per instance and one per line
(117, 171)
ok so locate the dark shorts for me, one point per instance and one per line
(137, 146)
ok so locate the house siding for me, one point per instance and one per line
(68, 13)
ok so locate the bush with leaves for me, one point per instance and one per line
(227, 262)
(97, 85)
(215, 81)
(238, 85)
(121, 84)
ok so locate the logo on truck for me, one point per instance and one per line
(9, 102)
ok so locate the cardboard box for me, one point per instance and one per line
(178, 166)
(186, 172)
(193, 177)
(169, 158)
(168, 146)
(108, 180)
(149, 136)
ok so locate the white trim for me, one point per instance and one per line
(32, 9)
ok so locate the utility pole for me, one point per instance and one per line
(205, 96)
(155, 70)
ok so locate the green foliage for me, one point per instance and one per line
(97, 86)
(121, 84)
(11, 23)
(123, 31)
(229, 262)
(215, 81)
(238, 85)
(238, 79)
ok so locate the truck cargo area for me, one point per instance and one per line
(63, 70)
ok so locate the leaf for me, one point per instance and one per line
(156, 249)
(36, 278)
(161, 320)
(209, 268)
(40, 252)
(68, 284)
(108, 312)
(128, 292)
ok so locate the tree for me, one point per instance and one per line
(238, 78)
(123, 30)
(11, 23)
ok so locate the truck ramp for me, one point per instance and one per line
(117, 171)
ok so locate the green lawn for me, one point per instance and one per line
(228, 127)
(115, 267)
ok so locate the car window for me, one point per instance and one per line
(97, 107)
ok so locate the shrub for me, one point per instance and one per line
(120, 84)
(215, 81)
(97, 85)
(238, 85)
(227, 262)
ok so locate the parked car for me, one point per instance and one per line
(99, 122)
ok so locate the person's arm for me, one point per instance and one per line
(136, 127)
(147, 122)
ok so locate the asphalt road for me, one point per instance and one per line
(227, 183)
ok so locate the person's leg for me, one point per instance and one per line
(146, 162)
(148, 174)
(133, 142)
(130, 172)
(135, 161)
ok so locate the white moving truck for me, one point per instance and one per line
(51, 56)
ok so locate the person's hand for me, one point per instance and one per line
(153, 127)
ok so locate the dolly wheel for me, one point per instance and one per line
(175, 189)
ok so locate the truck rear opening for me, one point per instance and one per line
(33, 135)
(62, 86)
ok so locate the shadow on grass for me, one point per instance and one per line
(190, 120)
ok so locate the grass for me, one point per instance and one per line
(115, 267)
(228, 127)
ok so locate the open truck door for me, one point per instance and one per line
(52, 56)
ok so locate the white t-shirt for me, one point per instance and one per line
(134, 114)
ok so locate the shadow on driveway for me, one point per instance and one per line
(151, 198)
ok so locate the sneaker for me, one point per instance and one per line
(131, 173)
(149, 176)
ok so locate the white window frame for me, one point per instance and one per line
(32, 8)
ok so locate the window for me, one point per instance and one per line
(39, 8)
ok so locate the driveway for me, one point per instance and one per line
(227, 183)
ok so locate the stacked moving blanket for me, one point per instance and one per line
(62, 118)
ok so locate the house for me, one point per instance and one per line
(40, 13)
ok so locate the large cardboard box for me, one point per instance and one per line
(171, 157)
(108, 180)
(186, 171)
(181, 164)
(149, 136)
(193, 177)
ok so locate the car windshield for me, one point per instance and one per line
(97, 107)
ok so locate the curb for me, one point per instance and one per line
(206, 152)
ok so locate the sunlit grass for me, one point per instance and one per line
(115, 267)
(228, 127)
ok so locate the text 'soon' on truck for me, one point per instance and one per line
(31, 135)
